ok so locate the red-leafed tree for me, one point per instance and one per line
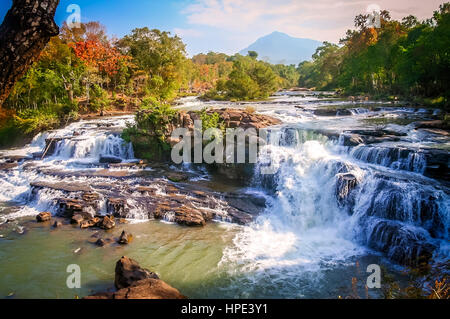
(102, 57)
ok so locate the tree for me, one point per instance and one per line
(160, 55)
(26, 29)
(253, 54)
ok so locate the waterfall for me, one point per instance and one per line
(326, 205)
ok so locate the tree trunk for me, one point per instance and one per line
(26, 29)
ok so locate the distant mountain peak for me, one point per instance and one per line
(281, 48)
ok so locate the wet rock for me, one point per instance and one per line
(57, 224)
(50, 145)
(101, 242)
(352, 140)
(61, 186)
(332, 112)
(324, 112)
(189, 217)
(7, 166)
(344, 185)
(403, 244)
(107, 223)
(125, 238)
(89, 223)
(251, 204)
(44, 217)
(110, 160)
(117, 207)
(437, 164)
(134, 282)
(77, 219)
(177, 177)
(128, 272)
(441, 125)
(69, 207)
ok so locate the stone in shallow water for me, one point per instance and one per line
(110, 160)
(135, 282)
(44, 217)
(128, 272)
(107, 223)
(125, 238)
(57, 224)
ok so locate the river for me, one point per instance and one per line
(333, 207)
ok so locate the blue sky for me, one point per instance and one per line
(231, 25)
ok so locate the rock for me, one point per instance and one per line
(103, 242)
(7, 166)
(177, 177)
(117, 207)
(125, 238)
(69, 207)
(134, 282)
(89, 223)
(107, 222)
(61, 186)
(77, 219)
(332, 112)
(128, 272)
(352, 139)
(344, 185)
(189, 217)
(50, 145)
(110, 160)
(400, 243)
(441, 125)
(57, 224)
(43, 217)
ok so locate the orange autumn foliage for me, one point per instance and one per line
(95, 54)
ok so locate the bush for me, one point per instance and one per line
(148, 135)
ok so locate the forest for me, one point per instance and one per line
(84, 71)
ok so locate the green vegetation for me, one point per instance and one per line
(148, 134)
(249, 80)
(400, 58)
(83, 71)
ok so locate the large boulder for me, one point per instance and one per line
(143, 289)
(128, 272)
(135, 282)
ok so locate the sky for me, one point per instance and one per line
(231, 25)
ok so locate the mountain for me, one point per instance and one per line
(280, 48)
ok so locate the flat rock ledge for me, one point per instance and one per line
(134, 282)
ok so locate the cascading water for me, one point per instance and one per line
(330, 205)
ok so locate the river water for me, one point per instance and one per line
(332, 208)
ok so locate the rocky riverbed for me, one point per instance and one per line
(362, 182)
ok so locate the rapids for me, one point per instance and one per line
(332, 207)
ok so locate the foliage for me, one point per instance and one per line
(148, 134)
(249, 80)
(211, 120)
(159, 55)
(408, 58)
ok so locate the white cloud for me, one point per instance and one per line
(188, 33)
(317, 19)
